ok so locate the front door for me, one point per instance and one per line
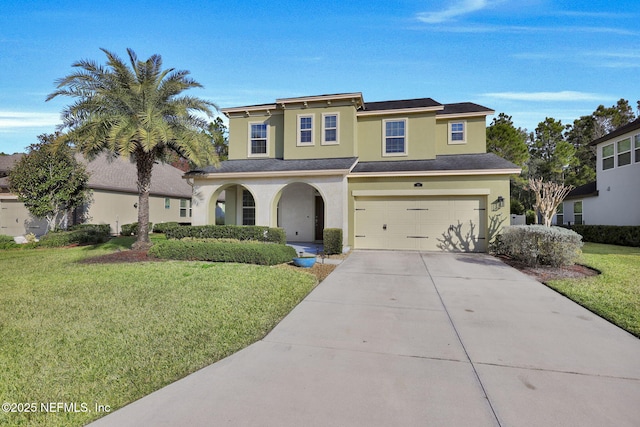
(319, 222)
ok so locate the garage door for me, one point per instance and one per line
(421, 223)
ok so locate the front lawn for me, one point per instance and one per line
(108, 334)
(614, 294)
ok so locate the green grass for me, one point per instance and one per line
(614, 294)
(110, 334)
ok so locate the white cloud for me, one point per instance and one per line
(17, 119)
(462, 7)
(562, 96)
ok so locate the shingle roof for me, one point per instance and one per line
(589, 189)
(634, 125)
(119, 174)
(6, 162)
(276, 165)
(451, 162)
(464, 107)
(401, 104)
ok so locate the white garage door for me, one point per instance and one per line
(421, 223)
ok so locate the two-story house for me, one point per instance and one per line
(614, 198)
(404, 174)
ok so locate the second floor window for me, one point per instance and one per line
(456, 133)
(258, 139)
(607, 157)
(395, 142)
(330, 128)
(305, 130)
(624, 152)
(637, 147)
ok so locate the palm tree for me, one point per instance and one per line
(137, 111)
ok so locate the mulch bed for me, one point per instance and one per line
(545, 273)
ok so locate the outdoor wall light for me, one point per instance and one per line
(135, 205)
(417, 184)
(500, 202)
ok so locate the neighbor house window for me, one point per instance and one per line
(607, 157)
(167, 203)
(248, 208)
(624, 152)
(457, 133)
(258, 139)
(185, 208)
(560, 214)
(395, 137)
(330, 128)
(637, 147)
(305, 130)
(577, 212)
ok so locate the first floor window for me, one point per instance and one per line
(456, 133)
(395, 137)
(607, 157)
(248, 208)
(258, 138)
(167, 203)
(577, 212)
(185, 208)
(560, 214)
(624, 152)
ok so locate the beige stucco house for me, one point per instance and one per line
(404, 174)
(114, 193)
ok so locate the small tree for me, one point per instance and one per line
(549, 195)
(49, 181)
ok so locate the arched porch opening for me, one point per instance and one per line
(232, 204)
(300, 209)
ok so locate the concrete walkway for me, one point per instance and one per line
(416, 339)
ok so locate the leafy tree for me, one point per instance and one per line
(135, 110)
(609, 119)
(50, 181)
(506, 141)
(580, 135)
(219, 134)
(550, 153)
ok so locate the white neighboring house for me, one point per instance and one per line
(614, 198)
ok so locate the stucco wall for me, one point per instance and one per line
(476, 136)
(15, 219)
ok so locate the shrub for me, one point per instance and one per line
(132, 229)
(85, 234)
(239, 232)
(622, 235)
(539, 245)
(162, 227)
(332, 240)
(223, 251)
(7, 242)
(530, 216)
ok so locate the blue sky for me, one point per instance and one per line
(528, 58)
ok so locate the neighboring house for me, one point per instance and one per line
(614, 198)
(15, 219)
(406, 174)
(114, 194)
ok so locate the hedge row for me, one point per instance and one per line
(610, 234)
(239, 232)
(539, 245)
(85, 234)
(162, 227)
(7, 242)
(221, 251)
(132, 229)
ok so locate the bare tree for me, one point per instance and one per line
(549, 195)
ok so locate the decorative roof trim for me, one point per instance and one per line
(355, 96)
(463, 172)
(266, 108)
(443, 116)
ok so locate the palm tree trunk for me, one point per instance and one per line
(144, 164)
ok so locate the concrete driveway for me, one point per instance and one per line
(416, 339)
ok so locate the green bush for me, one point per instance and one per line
(7, 242)
(332, 240)
(530, 217)
(239, 232)
(132, 229)
(85, 234)
(622, 235)
(539, 245)
(223, 251)
(162, 227)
